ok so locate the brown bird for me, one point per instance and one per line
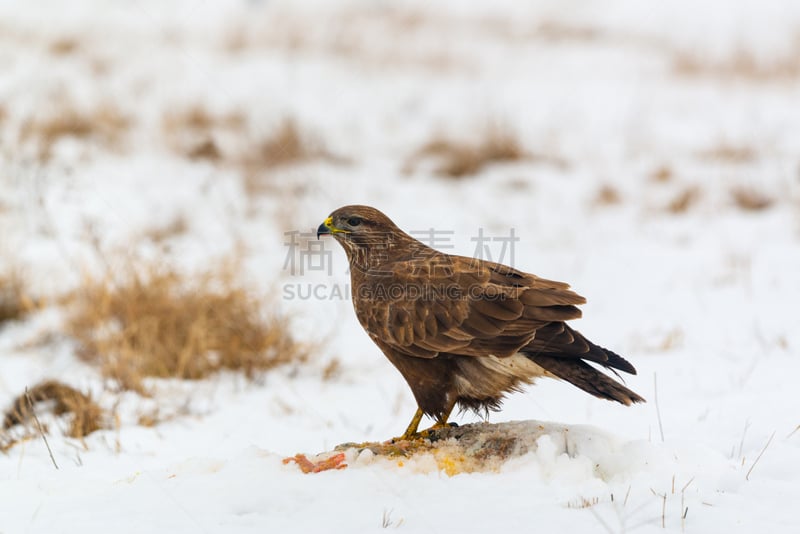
(464, 331)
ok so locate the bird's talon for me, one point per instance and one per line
(407, 437)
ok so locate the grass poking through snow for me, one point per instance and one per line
(684, 200)
(157, 322)
(14, 303)
(196, 133)
(749, 199)
(739, 65)
(456, 159)
(607, 195)
(85, 415)
(104, 125)
(285, 145)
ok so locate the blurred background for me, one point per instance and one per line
(163, 166)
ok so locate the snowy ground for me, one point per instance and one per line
(643, 120)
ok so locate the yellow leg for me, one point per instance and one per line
(440, 422)
(411, 431)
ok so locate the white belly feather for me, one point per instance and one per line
(511, 372)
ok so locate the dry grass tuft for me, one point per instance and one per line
(64, 46)
(206, 149)
(149, 419)
(197, 134)
(199, 118)
(740, 65)
(457, 159)
(86, 415)
(192, 132)
(672, 339)
(728, 153)
(750, 199)
(684, 200)
(662, 174)
(607, 195)
(103, 125)
(175, 227)
(14, 301)
(332, 370)
(583, 502)
(156, 322)
(286, 145)
(558, 31)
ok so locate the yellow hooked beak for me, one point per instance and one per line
(327, 228)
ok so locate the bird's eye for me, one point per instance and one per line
(354, 221)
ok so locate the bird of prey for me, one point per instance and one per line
(464, 331)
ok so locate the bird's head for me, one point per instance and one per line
(363, 231)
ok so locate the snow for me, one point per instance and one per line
(701, 301)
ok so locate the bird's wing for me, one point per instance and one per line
(423, 307)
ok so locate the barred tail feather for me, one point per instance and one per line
(581, 374)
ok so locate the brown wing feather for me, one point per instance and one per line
(461, 306)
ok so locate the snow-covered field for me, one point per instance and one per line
(661, 179)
